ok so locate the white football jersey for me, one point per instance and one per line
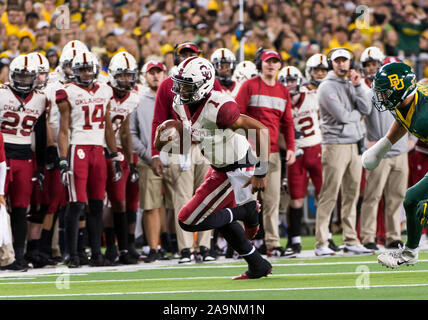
(120, 109)
(17, 119)
(232, 91)
(88, 108)
(53, 116)
(221, 147)
(306, 119)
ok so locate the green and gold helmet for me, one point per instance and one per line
(392, 83)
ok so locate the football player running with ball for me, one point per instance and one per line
(395, 90)
(227, 195)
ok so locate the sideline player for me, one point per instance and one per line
(122, 72)
(305, 113)
(84, 107)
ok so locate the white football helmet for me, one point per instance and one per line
(317, 60)
(123, 63)
(222, 56)
(85, 60)
(245, 70)
(75, 44)
(66, 60)
(194, 79)
(22, 74)
(372, 54)
(291, 73)
(43, 68)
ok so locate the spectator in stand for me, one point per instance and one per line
(268, 101)
(342, 104)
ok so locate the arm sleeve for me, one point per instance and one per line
(243, 97)
(287, 124)
(330, 103)
(137, 146)
(163, 104)
(40, 132)
(228, 114)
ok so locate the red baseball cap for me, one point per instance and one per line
(155, 64)
(187, 45)
(267, 54)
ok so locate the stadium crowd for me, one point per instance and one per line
(310, 86)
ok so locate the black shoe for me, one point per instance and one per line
(83, 258)
(97, 261)
(204, 254)
(186, 256)
(162, 254)
(293, 250)
(395, 244)
(333, 246)
(275, 252)
(262, 270)
(371, 246)
(132, 251)
(111, 255)
(152, 256)
(15, 266)
(74, 262)
(126, 258)
(36, 260)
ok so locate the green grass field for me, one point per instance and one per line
(312, 278)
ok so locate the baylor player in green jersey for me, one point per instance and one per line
(395, 90)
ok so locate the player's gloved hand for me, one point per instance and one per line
(372, 157)
(52, 157)
(134, 175)
(39, 178)
(117, 170)
(65, 171)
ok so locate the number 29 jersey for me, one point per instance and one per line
(18, 118)
(88, 108)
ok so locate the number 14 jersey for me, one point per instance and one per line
(88, 108)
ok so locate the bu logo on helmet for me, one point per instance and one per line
(206, 72)
(395, 82)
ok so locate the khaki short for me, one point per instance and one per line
(155, 192)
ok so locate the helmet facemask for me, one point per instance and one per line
(23, 81)
(186, 90)
(125, 80)
(92, 73)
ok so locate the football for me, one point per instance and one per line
(169, 137)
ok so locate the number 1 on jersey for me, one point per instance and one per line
(97, 116)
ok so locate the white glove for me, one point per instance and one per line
(372, 157)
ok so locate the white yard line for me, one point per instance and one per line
(208, 291)
(210, 278)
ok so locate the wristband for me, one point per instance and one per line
(63, 162)
(261, 169)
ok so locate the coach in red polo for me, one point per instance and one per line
(266, 100)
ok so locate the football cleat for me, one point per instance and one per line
(397, 258)
(249, 274)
